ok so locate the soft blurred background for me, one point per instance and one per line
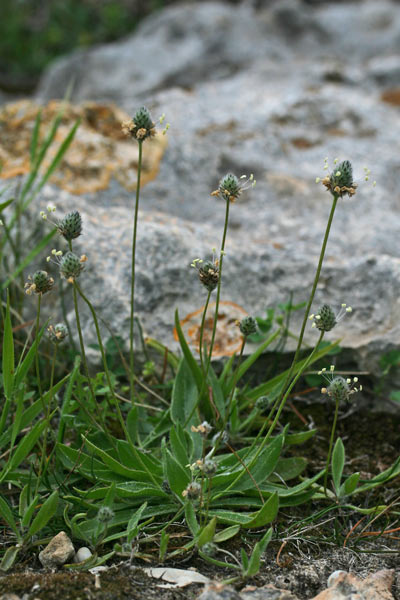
(34, 32)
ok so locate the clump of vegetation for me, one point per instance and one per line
(118, 473)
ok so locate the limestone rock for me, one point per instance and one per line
(267, 592)
(99, 150)
(346, 586)
(180, 46)
(57, 552)
(219, 591)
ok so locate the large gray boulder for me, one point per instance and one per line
(272, 92)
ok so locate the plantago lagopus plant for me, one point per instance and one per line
(140, 128)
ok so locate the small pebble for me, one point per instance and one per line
(57, 552)
(333, 577)
(82, 554)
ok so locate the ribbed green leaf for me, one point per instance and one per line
(259, 548)
(28, 513)
(338, 458)
(191, 519)
(132, 529)
(178, 477)
(184, 394)
(24, 447)
(226, 534)
(265, 388)
(30, 414)
(349, 485)
(288, 468)
(35, 137)
(9, 557)
(6, 513)
(191, 361)
(178, 448)
(59, 155)
(44, 515)
(206, 535)
(266, 514)
(113, 464)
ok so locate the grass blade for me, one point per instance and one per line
(8, 353)
(191, 361)
(59, 155)
(35, 137)
(44, 515)
(24, 367)
(28, 259)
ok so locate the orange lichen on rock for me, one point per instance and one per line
(228, 339)
(391, 96)
(98, 152)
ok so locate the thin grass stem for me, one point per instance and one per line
(311, 298)
(328, 458)
(217, 301)
(203, 320)
(43, 459)
(221, 257)
(134, 236)
(37, 329)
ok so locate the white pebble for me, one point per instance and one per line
(82, 554)
(333, 577)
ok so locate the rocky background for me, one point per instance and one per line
(270, 88)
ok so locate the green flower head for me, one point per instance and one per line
(70, 226)
(141, 126)
(39, 283)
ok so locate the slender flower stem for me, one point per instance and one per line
(328, 458)
(43, 459)
(235, 376)
(39, 384)
(102, 352)
(311, 298)
(65, 317)
(82, 345)
(85, 365)
(131, 331)
(203, 320)
(221, 258)
(84, 360)
(231, 396)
